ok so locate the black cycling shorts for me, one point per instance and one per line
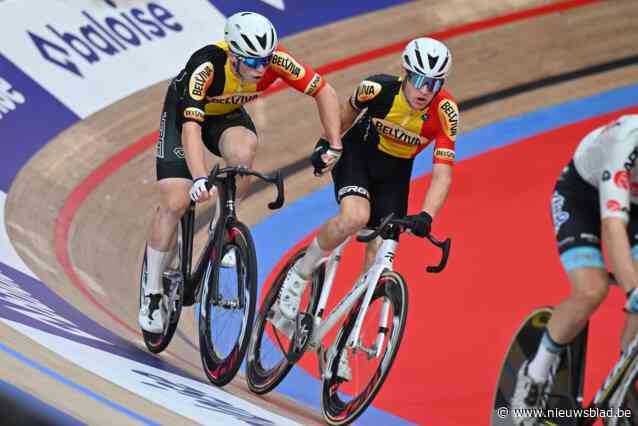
(170, 160)
(575, 211)
(364, 171)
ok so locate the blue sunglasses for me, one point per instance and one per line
(420, 81)
(255, 62)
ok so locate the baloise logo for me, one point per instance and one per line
(107, 36)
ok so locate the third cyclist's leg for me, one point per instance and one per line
(174, 200)
(577, 229)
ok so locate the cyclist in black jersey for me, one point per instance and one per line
(203, 108)
(402, 116)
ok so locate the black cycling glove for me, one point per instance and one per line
(323, 147)
(421, 224)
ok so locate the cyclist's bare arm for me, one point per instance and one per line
(328, 107)
(194, 149)
(616, 242)
(439, 188)
(348, 115)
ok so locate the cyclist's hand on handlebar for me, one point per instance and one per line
(421, 224)
(198, 190)
(324, 157)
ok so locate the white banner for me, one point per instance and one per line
(89, 54)
(202, 403)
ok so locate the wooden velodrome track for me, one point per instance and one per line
(109, 226)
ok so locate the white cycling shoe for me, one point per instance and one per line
(153, 313)
(229, 260)
(528, 395)
(290, 294)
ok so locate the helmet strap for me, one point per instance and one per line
(235, 66)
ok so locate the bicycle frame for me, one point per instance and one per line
(365, 284)
(226, 190)
(612, 383)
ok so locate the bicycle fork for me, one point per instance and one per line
(383, 261)
(366, 283)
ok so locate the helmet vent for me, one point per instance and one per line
(432, 60)
(444, 63)
(248, 42)
(418, 58)
(406, 58)
(263, 40)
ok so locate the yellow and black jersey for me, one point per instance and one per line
(207, 86)
(403, 132)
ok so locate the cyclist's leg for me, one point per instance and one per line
(389, 192)
(233, 137)
(589, 287)
(174, 201)
(353, 215)
(174, 183)
(353, 196)
(352, 192)
(576, 218)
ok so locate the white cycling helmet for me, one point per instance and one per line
(250, 34)
(428, 57)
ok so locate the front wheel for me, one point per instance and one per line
(343, 400)
(227, 305)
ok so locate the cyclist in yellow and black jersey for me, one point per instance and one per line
(399, 130)
(401, 116)
(211, 85)
(204, 108)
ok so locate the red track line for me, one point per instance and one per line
(442, 35)
(74, 201)
(65, 218)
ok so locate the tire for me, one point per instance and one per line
(157, 342)
(391, 287)
(263, 379)
(225, 329)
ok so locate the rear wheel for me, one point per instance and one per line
(225, 321)
(342, 401)
(267, 364)
(157, 342)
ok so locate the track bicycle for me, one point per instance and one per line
(227, 295)
(615, 402)
(369, 338)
